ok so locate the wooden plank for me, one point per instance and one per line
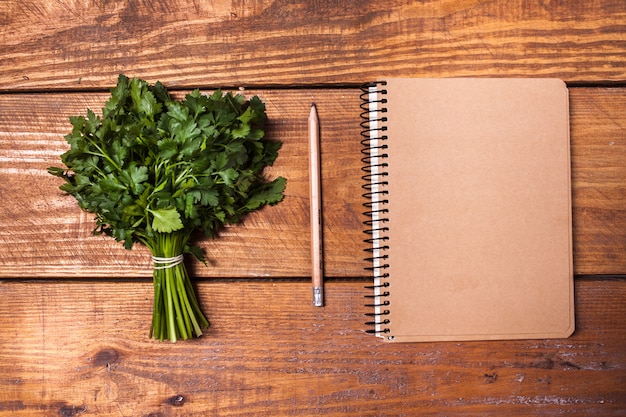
(78, 45)
(599, 179)
(75, 347)
(44, 234)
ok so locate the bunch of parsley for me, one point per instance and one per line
(153, 170)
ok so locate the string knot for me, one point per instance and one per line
(164, 263)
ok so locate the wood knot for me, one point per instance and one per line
(176, 400)
(491, 378)
(106, 357)
(71, 411)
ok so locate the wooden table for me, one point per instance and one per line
(75, 309)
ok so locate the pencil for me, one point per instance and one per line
(316, 209)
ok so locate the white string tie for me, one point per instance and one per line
(164, 263)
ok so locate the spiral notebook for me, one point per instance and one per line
(469, 209)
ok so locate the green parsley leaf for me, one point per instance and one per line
(166, 220)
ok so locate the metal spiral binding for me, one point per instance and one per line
(374, 141)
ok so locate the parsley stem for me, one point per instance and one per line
(176, 313)
(101, 152)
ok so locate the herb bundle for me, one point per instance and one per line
(153, 170)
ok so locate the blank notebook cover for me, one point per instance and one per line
(470, 205)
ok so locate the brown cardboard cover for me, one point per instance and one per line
(479, 209)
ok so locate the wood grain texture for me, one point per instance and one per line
(599, 179)
(44, 234)
(75, 346)
(80, 348)
(74, 44)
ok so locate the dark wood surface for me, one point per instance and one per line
(75, 309)
(48, 236)
(75, 349)
(80, 45)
